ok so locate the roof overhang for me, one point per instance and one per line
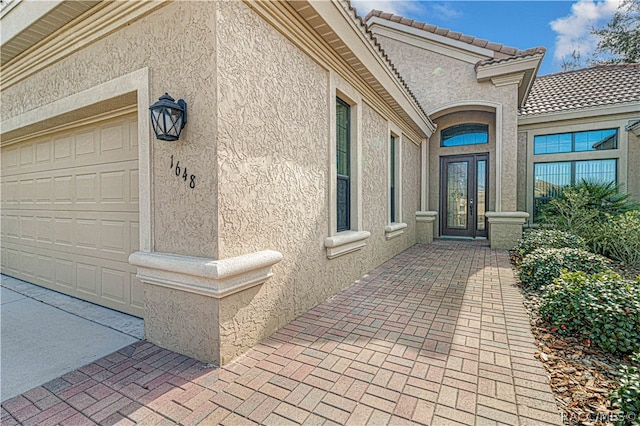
(521, 70)
(345, 35)
(428, 40)
(27, 22)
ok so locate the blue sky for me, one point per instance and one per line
(560, 26)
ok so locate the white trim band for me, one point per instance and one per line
(204, 276)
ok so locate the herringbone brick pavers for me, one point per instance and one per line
(436, 335)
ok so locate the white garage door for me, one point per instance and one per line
(70, 212)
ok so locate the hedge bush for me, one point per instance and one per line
(541, 267)
(547, 238)
(602, 307)
(627, 396)
(619, 237)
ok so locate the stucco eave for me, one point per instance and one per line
(528, 65)
(354, 37)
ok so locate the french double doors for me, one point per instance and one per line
(464, 194)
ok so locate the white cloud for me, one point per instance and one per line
(446, 10)
(574, 31)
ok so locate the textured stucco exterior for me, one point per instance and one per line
(184, 219)
(446, 84)
(522, 172)
(258, 142)
(274, 130)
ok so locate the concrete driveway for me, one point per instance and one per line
(45, 334)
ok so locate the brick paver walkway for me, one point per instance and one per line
(437, 335)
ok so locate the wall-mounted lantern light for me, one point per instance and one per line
(168, 117)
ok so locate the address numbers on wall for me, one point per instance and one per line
(181, 173)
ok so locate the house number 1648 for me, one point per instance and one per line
(182, 173)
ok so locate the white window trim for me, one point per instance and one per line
(340, 243)
(394, 229)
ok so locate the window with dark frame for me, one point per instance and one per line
(550, 178)
(343, 148)
(392, 191)
(464, 134)
(590, 140)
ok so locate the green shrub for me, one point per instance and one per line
(541, 267)
(602, 307)
(579, 208)
(619, 238)
(627, 396)
(547, 238)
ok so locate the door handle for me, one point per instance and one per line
(471, 206)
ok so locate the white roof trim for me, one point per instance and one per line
(23, 15)
(597, 111)
(375, 20)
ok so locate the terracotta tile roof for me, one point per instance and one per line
(501, 50)
(588, 87)
(521, 54)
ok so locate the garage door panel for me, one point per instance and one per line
(114, 285)
(27, 228)
(43, 152)
(27, 191)
(44, 230)
(27, 156)
(81, 233)
(84, 147)
(106, 187)
(63, 188)
(62, 149)
(65, 273)
(45, 269)
(70, 213)
(9, 159)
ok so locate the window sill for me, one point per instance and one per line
(394, 230)
(345, 242)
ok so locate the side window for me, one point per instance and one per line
(393, 178)
(343, 159)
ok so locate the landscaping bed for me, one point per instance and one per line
(581, 376)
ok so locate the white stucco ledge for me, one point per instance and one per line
(204, 276)
(345, 242)
(394, 230)
(507, 217)
(426, 216)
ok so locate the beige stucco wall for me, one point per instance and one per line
(438, 81)
(436, 152)
(633, 166)
(274, 175)
(184, 219)
(522, 172)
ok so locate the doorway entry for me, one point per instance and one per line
(464, 195)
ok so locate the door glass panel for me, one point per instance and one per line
(457, 175)
(482, 193)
